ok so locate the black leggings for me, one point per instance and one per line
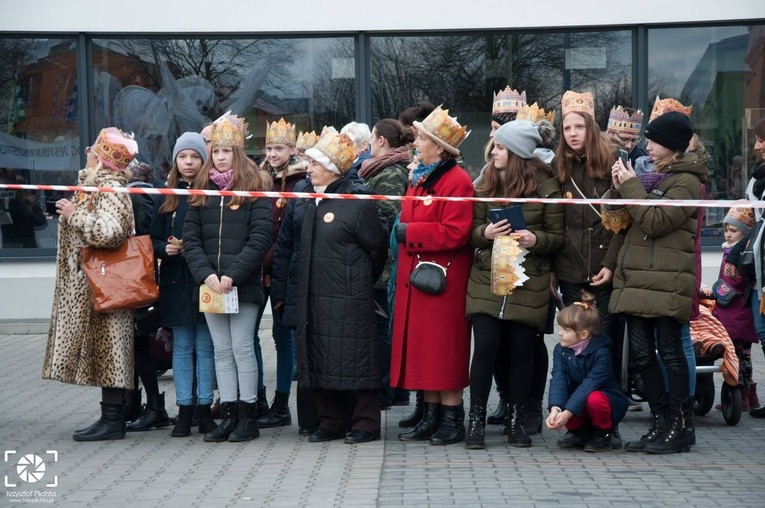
(646, 335)
(540, 364)
(145, 368)
(488, 333)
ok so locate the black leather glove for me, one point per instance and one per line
(401, 233)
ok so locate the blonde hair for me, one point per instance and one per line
(582, 315)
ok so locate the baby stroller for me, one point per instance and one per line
(711, 343)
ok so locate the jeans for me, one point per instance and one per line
(256, 338)
(284, 340)
(759, 319)
(235, 365)
(188, 340)
(384, 346)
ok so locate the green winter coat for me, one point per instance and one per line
(529, 303)
(654, 275)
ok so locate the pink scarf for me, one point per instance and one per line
(224, 181)
(371, 167)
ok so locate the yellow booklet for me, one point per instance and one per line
(216, 303)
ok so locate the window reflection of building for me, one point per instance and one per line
(158, 86)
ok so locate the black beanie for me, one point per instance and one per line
(672, 130)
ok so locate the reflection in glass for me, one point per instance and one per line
(159, 88)
(39, 140)
(718, 70)
(463, 72)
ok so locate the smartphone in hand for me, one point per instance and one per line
(624, 156)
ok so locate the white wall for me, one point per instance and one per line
(247, 16)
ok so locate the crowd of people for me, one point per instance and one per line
(373, 299)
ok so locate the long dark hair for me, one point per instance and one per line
(522, 177)
(393, 131)
(598, 150)
(247, 177)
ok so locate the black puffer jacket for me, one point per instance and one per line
(287, 257)
(177, 305)
(232, 242)
(343, 247)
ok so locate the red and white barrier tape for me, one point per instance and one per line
(718, 203)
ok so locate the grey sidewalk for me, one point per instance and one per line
(727, 467)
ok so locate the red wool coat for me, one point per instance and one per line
(431, 335)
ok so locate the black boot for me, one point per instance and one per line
(111, 425)
(262, 403)
(499, 415)
(229, 414)
(534, 419)
(153, 415)
(656, 426)
(205, 419)
(416, 415)
(600, 442)
(426, 427)
(474, 440)
(576, 438)
(516, 433)
(689, 427)
(278, 414)
(132, 405)
(674, 439)
(247, 427)
(452, 428)
(182, 426)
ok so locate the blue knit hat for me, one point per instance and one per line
(191, 141)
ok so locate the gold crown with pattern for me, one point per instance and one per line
(229, 131)
(443, 129)
(280, 133)
(339, 149)
(508, 101)
(306, 140)
(114, 148)
(534, 114)
(577, 103)
(619, 121)
(662, 106)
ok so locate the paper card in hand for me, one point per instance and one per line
(513, 214)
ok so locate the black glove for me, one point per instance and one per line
(401, 233)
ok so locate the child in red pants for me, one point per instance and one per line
(584, 396)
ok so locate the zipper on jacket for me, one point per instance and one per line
(502, 308)
(653, 249)
(220, 234)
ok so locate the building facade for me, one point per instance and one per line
(159, 69)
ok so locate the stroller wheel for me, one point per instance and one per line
(730, 400)
(703, 402)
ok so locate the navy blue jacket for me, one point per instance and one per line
(574, 378)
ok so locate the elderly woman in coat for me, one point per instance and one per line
(85, 347)
(431, 335)
(343, 251)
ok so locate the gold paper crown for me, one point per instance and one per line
(508, 101)
(577, 103)
(339, 148)
(229, 131)
(306, 140)
(443, 129)
(662, 106)
(114, 148)
(280, 133)
(621, 121)
(534, 114)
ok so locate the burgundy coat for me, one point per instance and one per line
(737, 318)
(431, 335)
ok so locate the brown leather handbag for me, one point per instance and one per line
(121, 278)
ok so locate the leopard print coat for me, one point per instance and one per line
(85, 347)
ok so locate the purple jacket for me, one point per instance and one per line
(737, 318)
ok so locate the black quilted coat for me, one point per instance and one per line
(343, 248)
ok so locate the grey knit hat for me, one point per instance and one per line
(191, 141)
(520, 137)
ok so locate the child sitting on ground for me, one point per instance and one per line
(584, 396)
(732, 309)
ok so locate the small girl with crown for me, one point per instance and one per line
(584, 396)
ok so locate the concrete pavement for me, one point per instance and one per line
(37, 417)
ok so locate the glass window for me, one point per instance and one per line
(39, 140)
(719, 71)
(464, 71)
(159, 88)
